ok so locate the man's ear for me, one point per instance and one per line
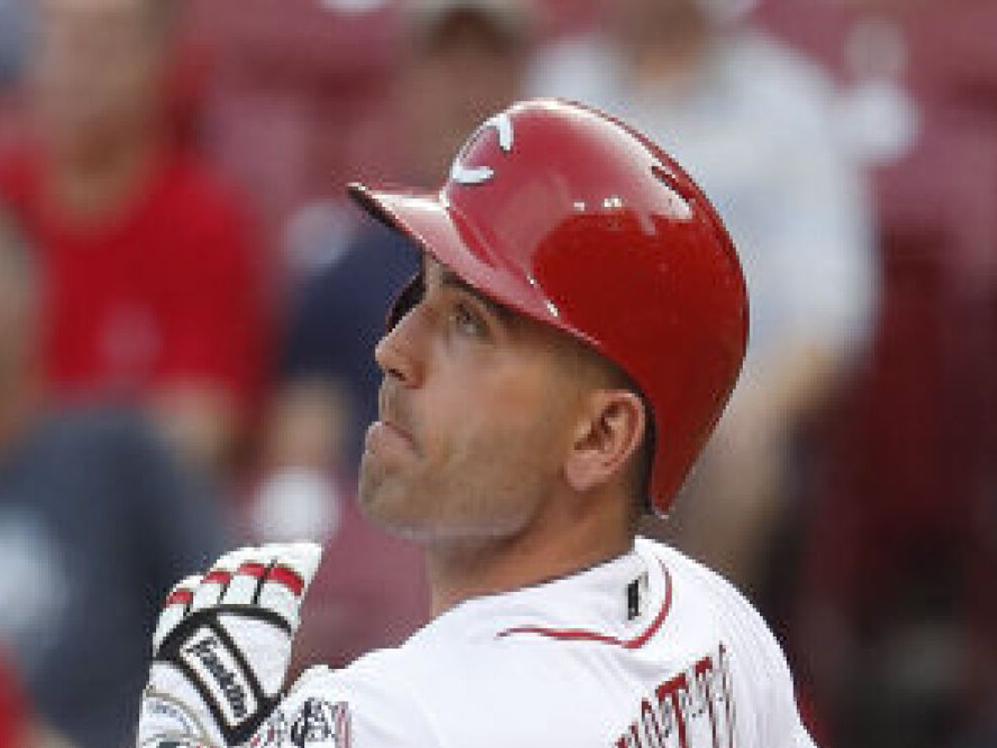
(607, 435)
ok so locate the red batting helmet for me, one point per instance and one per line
(572, 218)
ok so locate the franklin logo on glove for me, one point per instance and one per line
(206, 656)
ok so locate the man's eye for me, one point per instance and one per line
(465, 320)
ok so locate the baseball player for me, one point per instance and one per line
(552, 373)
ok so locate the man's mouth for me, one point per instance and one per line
(391, 425)
(385, 435)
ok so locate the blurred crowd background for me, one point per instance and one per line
(188, 308)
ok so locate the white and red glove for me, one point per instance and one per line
(222, 647)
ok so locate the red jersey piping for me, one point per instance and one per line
(592, 636)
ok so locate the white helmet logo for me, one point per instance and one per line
(480, 174)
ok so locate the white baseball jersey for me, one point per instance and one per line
(647, 650)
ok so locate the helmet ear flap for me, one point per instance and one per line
(410, 295)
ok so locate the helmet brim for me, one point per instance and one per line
(439, 230)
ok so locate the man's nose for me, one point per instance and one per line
(399, 351)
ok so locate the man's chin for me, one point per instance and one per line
(373, 479)
(381, 494)
(388, 503)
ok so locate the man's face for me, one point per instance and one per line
(452, 85)
(637, 21)
(96, 66)
(17, 312)
(476, 408)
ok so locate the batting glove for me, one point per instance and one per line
(222, 647)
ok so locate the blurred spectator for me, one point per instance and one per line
(153, 288)
(897, 617)
(95, 524)
(465, 60)
(753, 122)
(295, 103)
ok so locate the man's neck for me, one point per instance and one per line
(545, 551)
(671, 59)
(87, 187)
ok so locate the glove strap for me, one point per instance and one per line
(204, 652)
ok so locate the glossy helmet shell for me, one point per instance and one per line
(574, 219)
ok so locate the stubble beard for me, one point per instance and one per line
(383, 497)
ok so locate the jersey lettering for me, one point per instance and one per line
(690, 710)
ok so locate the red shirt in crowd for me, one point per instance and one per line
(13, 708)
(168, 291)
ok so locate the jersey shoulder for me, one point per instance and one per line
(369, 703)
(760, 673)
(448, 688)
(699, 592)
(418, 696)
(561, 661)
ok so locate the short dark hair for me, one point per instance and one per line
(644, 460)
(641, 464)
